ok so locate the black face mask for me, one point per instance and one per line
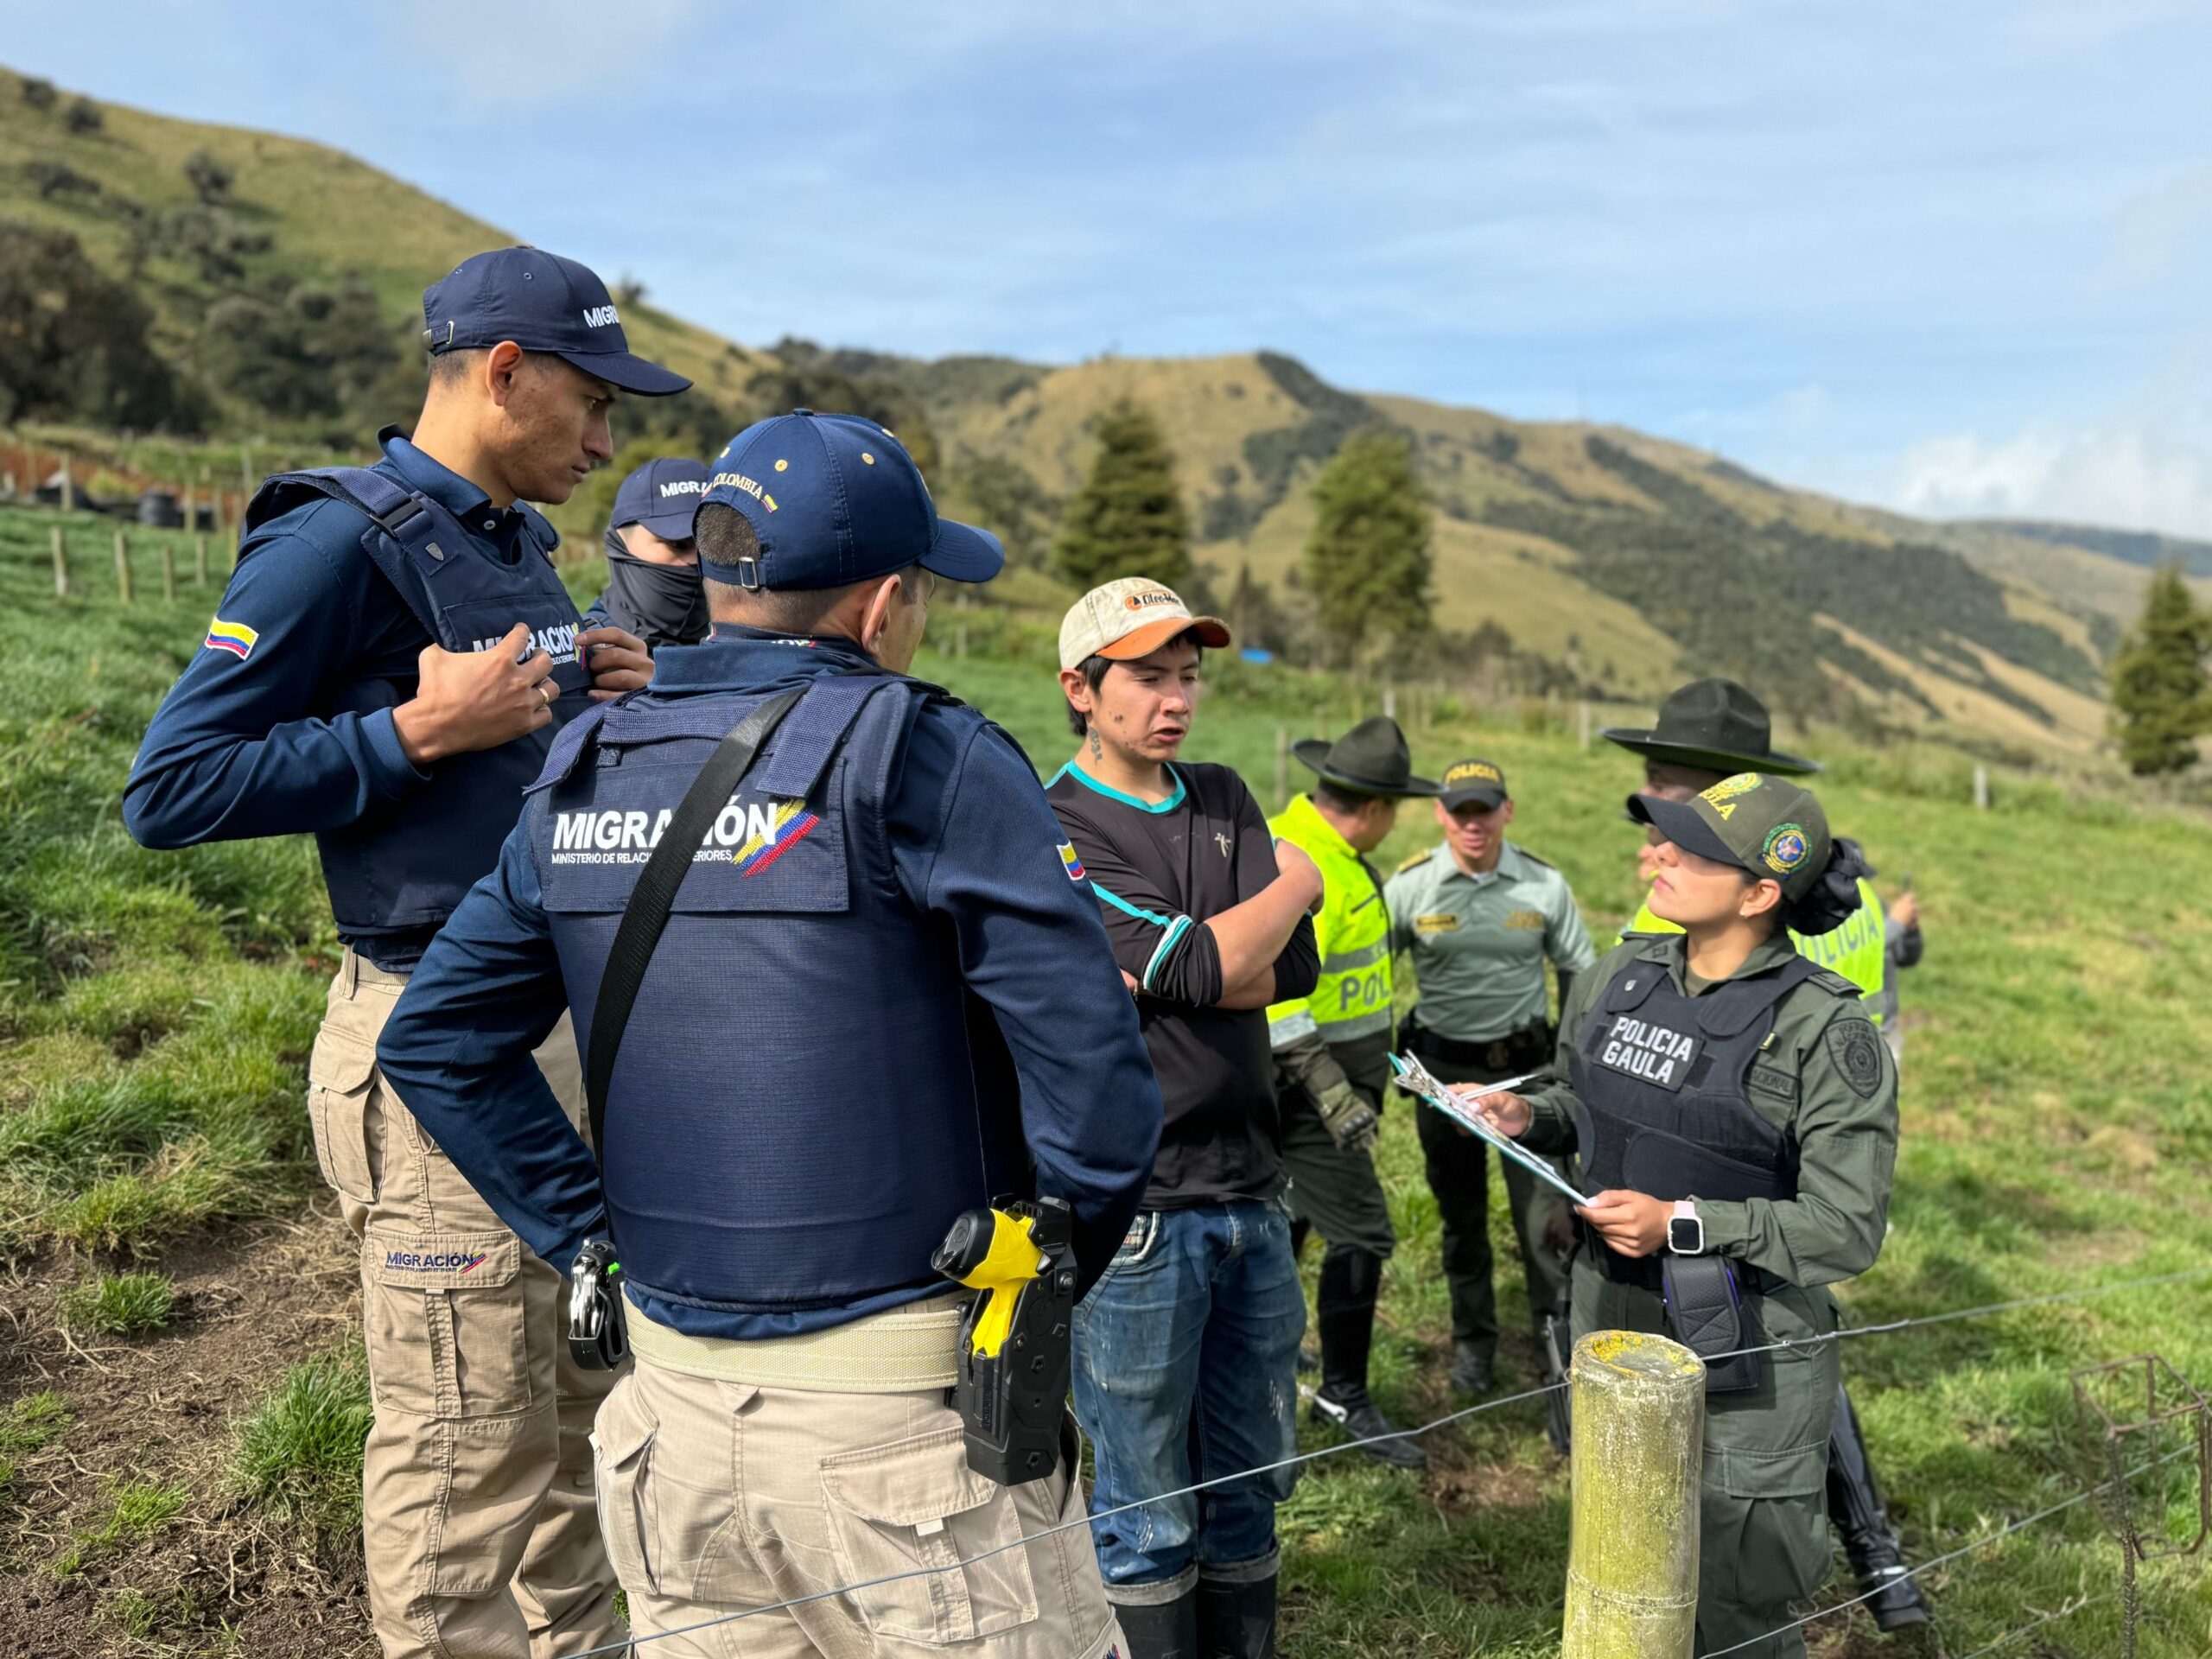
(662, 604)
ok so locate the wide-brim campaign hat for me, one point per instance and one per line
(1713, 725)
(1371, 758)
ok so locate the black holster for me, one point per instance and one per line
(1704, 1310)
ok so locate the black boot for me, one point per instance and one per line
(1166, 1629)
(1237, 1621)
(1344, 1311)
(1855, 1510)
(1473, 1372)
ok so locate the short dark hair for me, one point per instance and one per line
(1336, 795)
(447, 367)
(1093, 669)
(725, 535)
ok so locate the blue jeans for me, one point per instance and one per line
(1186, 1369)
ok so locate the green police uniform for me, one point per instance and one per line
(1478, 944)
(1773, 1083)
(1857, 950)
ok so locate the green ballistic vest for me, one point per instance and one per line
(1857, 950)
(1352, 998)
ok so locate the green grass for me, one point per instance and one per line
(298, 1456)
(136, 1511)
(120, 1304)
(155, 1010)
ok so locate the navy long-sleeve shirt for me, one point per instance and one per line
(263, 733)
(965, 825)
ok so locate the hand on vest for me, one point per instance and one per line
(466, 700)
(1506, 1112)
(618, 661)
(1631, 1223)
(1351, 1122)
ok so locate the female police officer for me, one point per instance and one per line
(1736, 1117)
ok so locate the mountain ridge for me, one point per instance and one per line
(1579, 557)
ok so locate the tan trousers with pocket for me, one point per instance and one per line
(479, 1525)
(720, 1496)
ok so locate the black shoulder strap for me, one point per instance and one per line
(647, 914)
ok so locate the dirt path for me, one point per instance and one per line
(216, 1577)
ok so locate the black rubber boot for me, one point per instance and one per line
(1869, 1542)
(1167, 1630)
(1237, 1621)
(1344, 1312)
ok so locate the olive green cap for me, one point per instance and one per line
(1771, 827)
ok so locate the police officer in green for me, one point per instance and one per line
(1333, 1059)
(1707, 730)
(1478, 917)
(1735, 1113)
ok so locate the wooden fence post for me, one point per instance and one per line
(1639, 1435)
(200, 561)
(122, 567)
(1981, 787)
(60, 564)
(1282, 767)
(169, 571)
(1585, 706)
(69, 487)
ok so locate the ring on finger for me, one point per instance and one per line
(545, 688)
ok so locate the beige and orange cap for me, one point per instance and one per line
(1128, 618)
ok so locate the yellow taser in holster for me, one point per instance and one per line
(1014, 1344)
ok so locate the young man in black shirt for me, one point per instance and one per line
(1186, 1352)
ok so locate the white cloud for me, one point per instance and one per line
(2131, 477)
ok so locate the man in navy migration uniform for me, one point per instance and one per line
(390, 662)
(882, 997)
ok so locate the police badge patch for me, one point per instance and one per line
(1857, 1052)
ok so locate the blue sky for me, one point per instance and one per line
(1951, 258)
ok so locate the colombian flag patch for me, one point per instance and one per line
(233, 637)
(1068, 859)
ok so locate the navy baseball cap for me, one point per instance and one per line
(662, 495)
(544, 304)
(834, 499)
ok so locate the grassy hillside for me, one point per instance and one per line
(178, 1401)
(2144, 548)
(1596, 560)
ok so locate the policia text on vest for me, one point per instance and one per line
(887, 1004)
(390, 662)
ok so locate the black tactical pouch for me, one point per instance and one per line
(1704, 1310)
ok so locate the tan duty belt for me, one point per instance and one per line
(899, 1352)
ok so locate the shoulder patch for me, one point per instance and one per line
(1833, 982)
(1856, 1048)
(1415, 861)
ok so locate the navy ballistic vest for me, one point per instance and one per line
(804, 1098)
(407, 864)
(1660, 1082)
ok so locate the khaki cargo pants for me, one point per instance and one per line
(479, 1525)
(720, 1496)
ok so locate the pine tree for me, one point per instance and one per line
(2161, 697)
(1128, 518)
(1367, 561)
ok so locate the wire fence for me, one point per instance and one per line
(1986, 1310)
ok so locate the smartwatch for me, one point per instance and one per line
(1685, 1231)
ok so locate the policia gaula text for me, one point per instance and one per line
(1736, 1117)
(876, 1001)
(392, 657)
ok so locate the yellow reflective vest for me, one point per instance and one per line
(1352, 932)
(1857, 950)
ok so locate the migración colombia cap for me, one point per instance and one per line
(833, 499)
(544, 304)
(662, 495)
(1769, 827)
